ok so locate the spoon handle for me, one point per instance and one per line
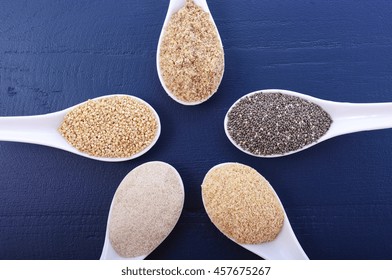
(39, 129)
(351, 117)
(293, 249)
(284, 247)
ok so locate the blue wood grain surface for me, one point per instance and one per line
(57, 53)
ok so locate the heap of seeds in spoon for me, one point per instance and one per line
(118, 126)
(272, 123)
(191, 56)
(242, 204)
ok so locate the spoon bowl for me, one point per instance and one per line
(42, 130)
(174, 6)
(108, 252)
(284, 247)
(346, 118)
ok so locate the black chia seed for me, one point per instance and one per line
(275, 124)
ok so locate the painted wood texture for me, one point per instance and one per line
(56, 53)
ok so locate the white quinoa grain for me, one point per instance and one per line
(118, 126)
(191, 56)
(242, 204)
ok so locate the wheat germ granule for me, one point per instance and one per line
(145, 209)
(117, 126)
(191, 57)
(242, 204)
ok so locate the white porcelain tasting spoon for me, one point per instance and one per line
(174, 6)
(284, 247)
(108, 252)
(42, 130)
(346, 118)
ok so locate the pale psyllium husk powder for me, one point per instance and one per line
(242, 204)
(145, 209)
(118, 126)
(191, 57)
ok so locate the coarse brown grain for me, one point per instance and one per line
(145, 209)
(191, 56)
(242, 204)
(118, 126)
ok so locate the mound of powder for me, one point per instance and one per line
(191, 57)
(118, 126)
(145, 209)
(242, 204)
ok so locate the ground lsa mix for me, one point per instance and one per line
(191, 56)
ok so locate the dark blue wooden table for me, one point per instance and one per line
(57, 53)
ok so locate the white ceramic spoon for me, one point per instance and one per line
(42, 130)
(108, 252)
(346, 117)
(174, 6)
(284, 247)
